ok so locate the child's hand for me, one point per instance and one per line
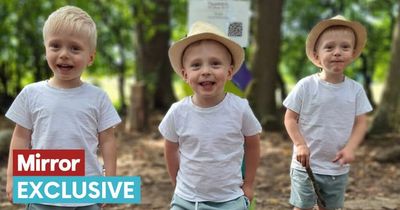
(248, 191)
(344, 156)
(303, 155)
(9, 189)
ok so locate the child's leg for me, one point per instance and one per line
(302, 194)
(332, 189)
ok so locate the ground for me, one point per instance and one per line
(372, 185)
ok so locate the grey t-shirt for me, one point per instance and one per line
(326, 117)
(65, 118)
(211, 147)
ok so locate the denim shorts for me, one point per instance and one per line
(332, 189)
(240, 203)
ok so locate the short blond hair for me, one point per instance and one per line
(71, 19)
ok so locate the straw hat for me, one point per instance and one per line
(359, 31)
(202, 31)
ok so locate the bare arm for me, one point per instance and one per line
(292, 127)
(252, 159)
(108, 149)
(346, 155)
(172, 159)
(21, 139)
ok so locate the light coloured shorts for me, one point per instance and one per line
(332, 189)
(32, 206)
(240, 203)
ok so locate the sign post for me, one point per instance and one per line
(230, 16)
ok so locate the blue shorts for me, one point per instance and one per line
(332, 189)
(240, 203)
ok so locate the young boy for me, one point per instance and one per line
(64, 112)
(209, 133)
(326, 114)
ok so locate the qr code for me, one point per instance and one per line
(235, 29)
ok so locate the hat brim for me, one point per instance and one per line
(175, 52)
(359, 31)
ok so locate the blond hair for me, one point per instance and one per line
(71, 19)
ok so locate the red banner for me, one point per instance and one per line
(48, 162)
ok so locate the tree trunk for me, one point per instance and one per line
(265, 63)
(121, 81)
(367, 79)
(152, 63)
(152, 46)
(138, 115)
(387, 119)
(163, 96)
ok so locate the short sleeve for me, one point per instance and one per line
(362, 105)
(19, 111)
(295, 98)
(108, 116)
(251, 126)
(167, 126)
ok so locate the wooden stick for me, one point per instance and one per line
(320, 200)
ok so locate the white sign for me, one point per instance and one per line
(230, 16)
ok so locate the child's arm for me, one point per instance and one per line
(108, 150)
(21, 139)
(346, 155)
(292, 127)
(252, 159)
(172, 159)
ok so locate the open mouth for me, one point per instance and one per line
(64, 67)
(207, 83)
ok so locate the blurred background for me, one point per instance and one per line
(134, 37)
(132, 66)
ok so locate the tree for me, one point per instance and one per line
(22, 49)
(153, 71)
(116, 47)
(265, 63)
(387, 119)
(22, 56)
(153, 36)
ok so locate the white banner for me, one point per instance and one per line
(231, 16)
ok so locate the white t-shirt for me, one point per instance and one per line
(326, 117)
(211, 147)
(65, 119)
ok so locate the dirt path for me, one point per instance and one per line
(372, 185)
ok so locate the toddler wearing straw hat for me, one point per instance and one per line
(208, 134)
(326, 114)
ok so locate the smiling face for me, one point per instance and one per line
(207, 66)
(334, 51)
(68, 55)
(70, 37)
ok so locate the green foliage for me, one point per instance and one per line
(300, 16)
(179, 19)
(253, 204)
(181, 88)
(22, 58)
